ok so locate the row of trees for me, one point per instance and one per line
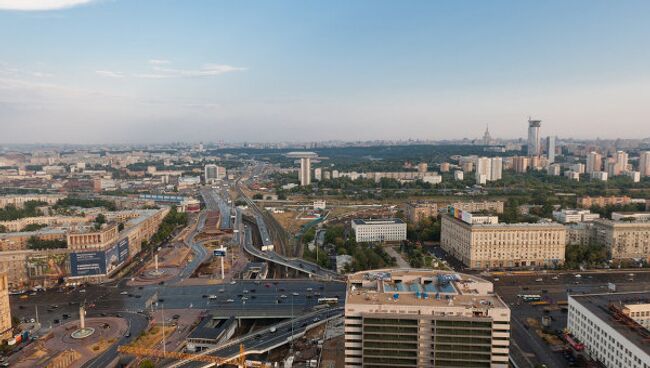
(173, 220)
(29, 209)
(38, 244)
(84, 203)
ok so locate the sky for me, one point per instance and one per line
(155, 71)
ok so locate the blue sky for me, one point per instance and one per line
(159, 71)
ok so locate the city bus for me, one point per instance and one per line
(530, 298)
(329, 301)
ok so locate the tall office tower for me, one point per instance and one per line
(520, 164)
(622, 160)
(594, 162)
(483, 169)
(305, 171)
(644, 163)
(5, 310)
(534, 148)
(318, 173)
(210, 173)
(550, 147)
(424, 318)
(304, 174)
(496, 168)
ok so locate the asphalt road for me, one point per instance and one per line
(555, 287)
(137, 322)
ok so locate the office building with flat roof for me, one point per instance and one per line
(417, 211)
(624, 239)
(377, 230)
(491, 244)
(611, 327)
(534, 139)
(424, 318)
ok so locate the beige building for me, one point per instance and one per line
(624, 239)
(586, 201)
(503, 245)
(20, 240)
(98, 239)
(520, 164)
(417, 211)
(644, 163)
(18, 201)
(5, 310)
(424, 318)
(18, 225)
(489, 206)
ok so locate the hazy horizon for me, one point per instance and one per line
(126, 72)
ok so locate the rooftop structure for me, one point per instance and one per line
(409, 317)
(611, 335)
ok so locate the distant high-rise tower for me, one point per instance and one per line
(304, 175)
(594, 162)
(644, 163)
(487, 139)
(534, 148)
(550, 146)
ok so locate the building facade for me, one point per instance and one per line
(534, 139)
(5, 309)
(624, 239)
(503, 245)
(423, 318)
(587, 201)
(611, 334)
(417, 211)
(378, 230)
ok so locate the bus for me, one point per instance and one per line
(530, 298)
(329, 301)
(573, 342)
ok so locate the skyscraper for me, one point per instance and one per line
(644, 163)
(304, 174)
(534, 148)
(483, 169)
(496, 168)
(550, 146)
(594, 162)
(621, 160)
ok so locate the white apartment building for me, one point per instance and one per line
(608, 326)
(567, 216)
(377, 230)
(424, 318)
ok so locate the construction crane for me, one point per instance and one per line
(240, 361)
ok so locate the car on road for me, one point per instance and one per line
(283, 296)
(124, 293)
(295, 294)
(273, 329)
(229, 301)
(539, 280)
(233, 282)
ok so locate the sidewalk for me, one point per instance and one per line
(401, 262)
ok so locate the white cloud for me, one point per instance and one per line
(207, 70)
(36, 5)
(159, 62)
(109, 74)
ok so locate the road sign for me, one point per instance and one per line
(219, 253)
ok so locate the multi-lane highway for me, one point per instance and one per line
(261, 341)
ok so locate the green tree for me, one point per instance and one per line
(147, 364)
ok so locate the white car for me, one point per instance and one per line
(124, 293)
(295, 294)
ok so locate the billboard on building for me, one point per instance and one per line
(88, 263)
(48, 266)
(117, 255)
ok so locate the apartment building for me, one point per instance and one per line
(608, 326)
(587, 201)
(417, 211)
(424, 318)
(624, 239)
(377, 230)
(18, 201)
(485, 245)
(5, 310)
(488, 206)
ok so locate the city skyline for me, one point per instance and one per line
(124, 72)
